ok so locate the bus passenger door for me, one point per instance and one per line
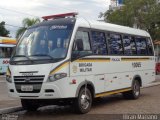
(80, 65)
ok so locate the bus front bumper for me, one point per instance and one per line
(47, 91)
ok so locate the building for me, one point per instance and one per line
(116, 4)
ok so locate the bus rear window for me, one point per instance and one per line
(149, 45)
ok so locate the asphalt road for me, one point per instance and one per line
(106, 108)
(5, 100)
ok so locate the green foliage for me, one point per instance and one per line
(144, 14)
(3, 31)
(27, 22)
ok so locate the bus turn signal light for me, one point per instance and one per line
(73, 81)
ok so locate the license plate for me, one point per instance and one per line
(26, 88)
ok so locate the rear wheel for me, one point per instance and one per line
(84, 101)
(29, 105)
(135, 92)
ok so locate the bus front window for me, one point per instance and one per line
(42, 41)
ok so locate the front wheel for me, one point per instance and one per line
(84, 101)
(135, 92)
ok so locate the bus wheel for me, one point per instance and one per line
(29, 105)
(134, 93)
(84, 101)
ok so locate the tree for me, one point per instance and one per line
(27, 22)
(3, 31)
(143, 14)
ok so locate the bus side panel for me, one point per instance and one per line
(114, 72)
(122, 73)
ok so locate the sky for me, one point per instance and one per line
(14, 11)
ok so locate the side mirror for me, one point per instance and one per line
(75, 55)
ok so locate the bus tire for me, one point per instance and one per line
(83, 102)
(29, 105)
(134, 93)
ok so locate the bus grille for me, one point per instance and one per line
(35, 81)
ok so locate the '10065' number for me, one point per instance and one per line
(136, 64)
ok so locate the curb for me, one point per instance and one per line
(2, 81)
(152, 85)
(2, 76)
(10, 110)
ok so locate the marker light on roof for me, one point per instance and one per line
(60, 15)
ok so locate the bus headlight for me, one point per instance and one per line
(57, 76)
(8, 78)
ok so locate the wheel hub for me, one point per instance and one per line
(85, 101)
(136, 89)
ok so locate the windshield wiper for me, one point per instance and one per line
(44, 55)
(22, 56)
(47, 55)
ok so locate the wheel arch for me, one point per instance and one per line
(137, 77)
(90, 86)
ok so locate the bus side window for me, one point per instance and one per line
(141, 46)
(99, 43)
(81, 45)
(149, 45)
(129, 45)
(115, 44)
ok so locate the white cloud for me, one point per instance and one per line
(87, 8)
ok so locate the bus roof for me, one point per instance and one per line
(7, 40)
(99, 25)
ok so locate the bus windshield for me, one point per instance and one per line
(44, 42)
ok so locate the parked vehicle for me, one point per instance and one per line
(73, 60)
(6, 48)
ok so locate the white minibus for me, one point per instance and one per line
(6, 48)
(70, 60)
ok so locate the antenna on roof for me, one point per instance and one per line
(57, 16)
